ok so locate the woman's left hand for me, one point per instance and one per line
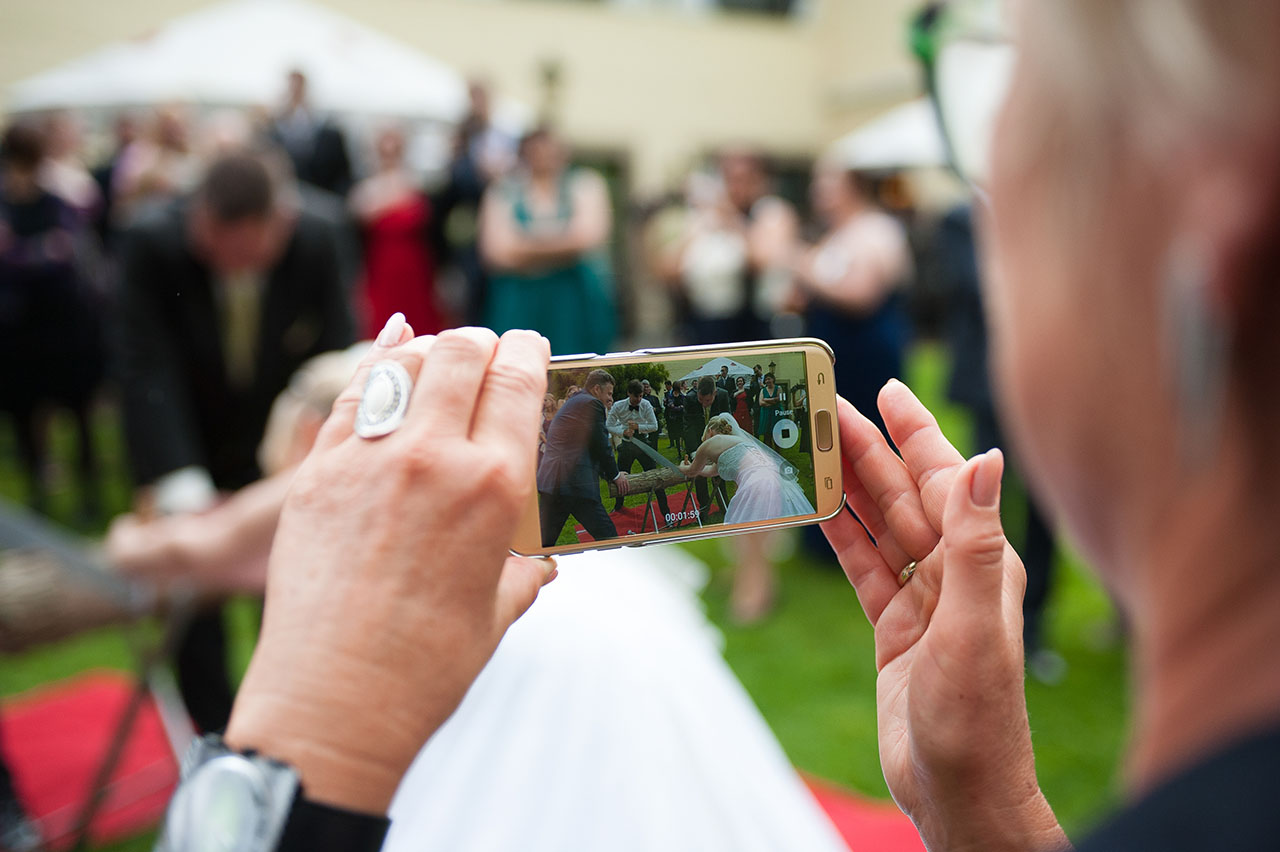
(955, 744)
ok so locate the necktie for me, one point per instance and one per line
(635, 408)
(240, 315)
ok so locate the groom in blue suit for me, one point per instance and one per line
(578, 455)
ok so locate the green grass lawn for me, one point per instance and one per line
(809, 667)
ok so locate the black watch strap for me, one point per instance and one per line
(315, 827)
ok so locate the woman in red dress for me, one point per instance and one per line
(742, 405)
(399, 270)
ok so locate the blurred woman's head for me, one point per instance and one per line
(769, 380)
(22, 149)
(836, 192)
(389, 147)
(548, 404)
(541, 152)
(298, 413)
(1136, 197)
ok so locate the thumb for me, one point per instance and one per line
(518, 587)
(974, 542)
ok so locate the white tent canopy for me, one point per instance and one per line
(238, 53)
(712, 368)
(906, 137)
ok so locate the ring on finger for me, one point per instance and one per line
(907, 573)
(384, 401)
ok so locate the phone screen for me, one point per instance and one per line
(676, 446)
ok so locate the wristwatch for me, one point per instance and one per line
(229, 801)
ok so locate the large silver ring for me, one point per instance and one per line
(384, 401)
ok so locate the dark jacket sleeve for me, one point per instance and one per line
(159, 421)
(601, 452)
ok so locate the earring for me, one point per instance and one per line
(1197, 346)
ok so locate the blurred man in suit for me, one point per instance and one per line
(223, 296)
(315, 145)
(703, 402)
(578, 455)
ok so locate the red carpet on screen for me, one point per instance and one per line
(55, 737)
(633, 520)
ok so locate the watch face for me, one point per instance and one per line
(222, 807)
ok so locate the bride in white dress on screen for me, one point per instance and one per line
(767, 486)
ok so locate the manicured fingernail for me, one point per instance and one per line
(548, 568)
(985, 488)
(390, 334)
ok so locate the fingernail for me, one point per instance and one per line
(548, 567)
(390, 334)
(985, 488)
(555, 572)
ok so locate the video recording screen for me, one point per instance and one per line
(660, 447)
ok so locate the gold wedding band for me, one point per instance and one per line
(906, 574)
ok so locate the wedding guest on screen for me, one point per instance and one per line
(550, 405)
(652, 398)
(633, 417)
(399, 269)
(742, 404)
(544, 231)
(768, 403)
(673, 401)
(701, 404)
(577, 457)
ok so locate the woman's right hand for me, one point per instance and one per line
(955, 744)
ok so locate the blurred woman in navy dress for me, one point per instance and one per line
(853, 280)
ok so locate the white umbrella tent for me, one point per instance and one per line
(712, 368)
(905, 137)
(238, 54)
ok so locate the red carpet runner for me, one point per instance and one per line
(55, 736)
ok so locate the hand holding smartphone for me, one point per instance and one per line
(684, 443)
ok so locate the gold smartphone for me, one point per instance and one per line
(684, 443)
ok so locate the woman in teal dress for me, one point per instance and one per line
(544, 235)
(769, 402)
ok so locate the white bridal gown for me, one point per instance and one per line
(608, 721)
(763, 493)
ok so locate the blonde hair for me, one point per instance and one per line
(720, 426)
(312, 389)
(1165, 67)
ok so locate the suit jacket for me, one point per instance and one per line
(695, 418)
(578, 454)
(179, 407)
